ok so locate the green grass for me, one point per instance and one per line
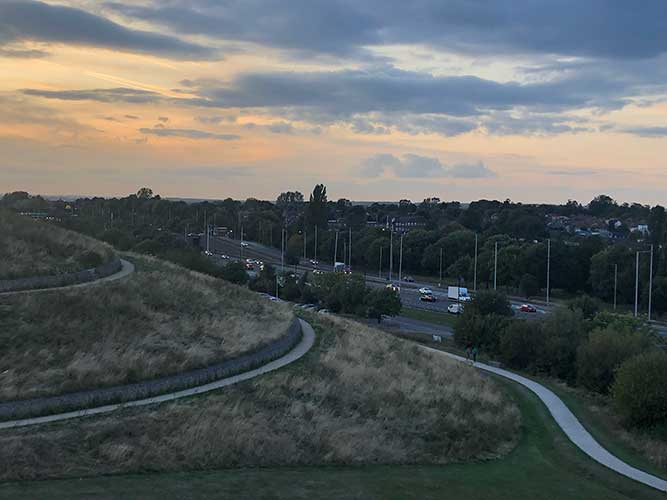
(544, 466)
(434, 317)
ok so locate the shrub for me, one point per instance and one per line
(563, 331)
(588, 305)
(639, 392)
(605, 350)
(234, 272)
(383, 301)
(521, 344)
(491, 302)
(483, 321)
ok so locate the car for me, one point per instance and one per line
(393, 287)
(316, 271)
(313, 262)
(409, 279)
(208, 253)
(249, 267)
(427, 298)
(244, 244)
(455, 308)
(527, 308)
(425, 291)
(224, 256)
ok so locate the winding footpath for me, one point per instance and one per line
(571, 426)
(307, 341)
(126, 269)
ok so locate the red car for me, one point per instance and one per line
(427, 298)
(527, 308)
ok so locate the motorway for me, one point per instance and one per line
(409, 291)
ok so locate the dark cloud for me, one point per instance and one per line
(132, 117)
(281, 128)
(29, 20)
(418, 166)
(189, 133)
(163, 119)
(613, 29)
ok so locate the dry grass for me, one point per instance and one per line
(162, 320)
(359, 397)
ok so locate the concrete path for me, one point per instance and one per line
(126, 270)
(301, 348)
(571, 426)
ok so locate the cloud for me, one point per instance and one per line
(211, 172)
(215, 120)
(281, 128)
(417, 166)
(163, 119)
(572, 172)
(132, 117)
(600, 29)
(188, 133)
(112, 95)
(22, 53)
(650, 132)
(38, 21)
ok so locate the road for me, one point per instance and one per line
(409, 291)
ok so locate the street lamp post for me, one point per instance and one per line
(282, 250)
(495, 266)
(650, 284)
(400, 262)
(636, 282)
(380, 268)
(391, 251)
(615, 283)
(475, 267)
(548, 267)
(440, 282)
(349, 250)
(315, 257)
(304, 243)
(335, 251)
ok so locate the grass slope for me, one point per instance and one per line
(358, 397)
(33, 248)
(163, 319)
(544, 466)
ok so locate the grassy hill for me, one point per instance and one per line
(358, 397)
(34, 248)
(161, 320)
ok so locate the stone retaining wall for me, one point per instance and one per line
(97, 397)
(64, 279)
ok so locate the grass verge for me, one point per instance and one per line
(434, 317)
(544, 466)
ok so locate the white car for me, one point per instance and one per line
(394, 288)
(426, 291)
(455, 308)
(208, 253)
(244, 244)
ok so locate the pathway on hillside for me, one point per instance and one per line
(126, 269)
(571, 426)
(307, 341)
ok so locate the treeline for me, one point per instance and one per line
(146, 222)
(580, 344)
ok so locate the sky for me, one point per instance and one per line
(532, 100)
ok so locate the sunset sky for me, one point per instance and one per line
(379, 99)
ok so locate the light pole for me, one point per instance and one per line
(380, 268)
(495, 266)
(391, 251)
(475, 267)
(241, 246)
(349, 250)
(548, 267)
(636, 282)
(335, 252)
(650, 284)
(304, 243)
(400, 262)
(440, 282)
(315, 257)
(282, 251)
(615, 283)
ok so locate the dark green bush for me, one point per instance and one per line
(606, 349)
(640, 390)
(522, 344)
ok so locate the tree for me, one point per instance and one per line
(521, 344)
(588, 305)
(317, 211)
(639, 393)
(383, 301)
(145, 193)
(483, 320)
(563, 331)
(289, 199)
(234, 272)
(488, 302)
(602, 354)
